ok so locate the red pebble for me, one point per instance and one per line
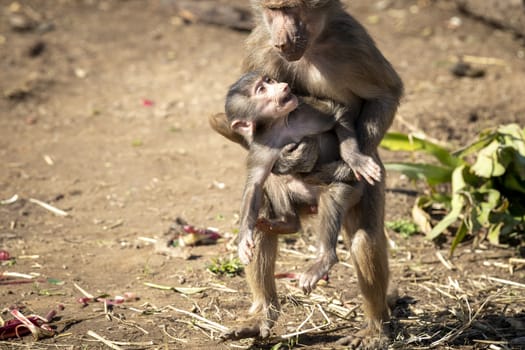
(147, 103)
(4, 255)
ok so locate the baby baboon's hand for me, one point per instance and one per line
(297, 158)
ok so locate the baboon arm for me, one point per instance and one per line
(260, 162)
(328, 173)
(297, 158)
(290, 224)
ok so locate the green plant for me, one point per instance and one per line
(486, 184)
(405, 228)
(229, 267)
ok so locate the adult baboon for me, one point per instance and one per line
(322, 51)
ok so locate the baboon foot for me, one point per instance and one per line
(253, 329)
(366, 339)
(318, 270)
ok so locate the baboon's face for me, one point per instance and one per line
(272, 99)
(292, 25)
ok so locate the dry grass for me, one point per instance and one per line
(442, 306)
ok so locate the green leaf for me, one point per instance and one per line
(514, 136)
(492, 198)
(401, 142)
(486, 195)
(519, 165)
(457, 204)
(494, 233)
(460, 235)
(277, 346)
(55, 281)
(441, 198)
(474, 146)
(416, 171)
(511, 182)
(488, 163)
(458, 181)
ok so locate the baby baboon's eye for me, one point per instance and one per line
(260, 89)
(268, 80)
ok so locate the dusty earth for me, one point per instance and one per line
(104, 112)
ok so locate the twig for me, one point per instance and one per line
(147, 239)
(164, 329)
(103, 340)
(222, 288)
(86, 294)
(119, 222)
(446, 294)
(324, 314)
(484, 60)
(515, 261)
(215, 325)
(500, 280)
(11, 200)
(49, 207)
(309, 330)
(127, 343)
(445, 262)
(131, 324)
(306, 320)
(17, 274)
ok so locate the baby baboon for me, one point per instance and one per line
(269, 117)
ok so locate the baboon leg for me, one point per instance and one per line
(260, 271)
(365, 229)
(334, 203)
(260, 277)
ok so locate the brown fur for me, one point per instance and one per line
(340, 62)
(270, 117)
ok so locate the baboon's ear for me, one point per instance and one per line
(243, 127)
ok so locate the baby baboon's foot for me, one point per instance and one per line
(320, 268)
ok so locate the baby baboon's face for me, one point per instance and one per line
(273, 99)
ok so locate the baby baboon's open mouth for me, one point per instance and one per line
(286, 98)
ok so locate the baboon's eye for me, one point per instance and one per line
(260, 89)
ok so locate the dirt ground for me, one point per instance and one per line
(103, 114)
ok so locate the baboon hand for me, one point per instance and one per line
(297, 158)
(365, 167)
